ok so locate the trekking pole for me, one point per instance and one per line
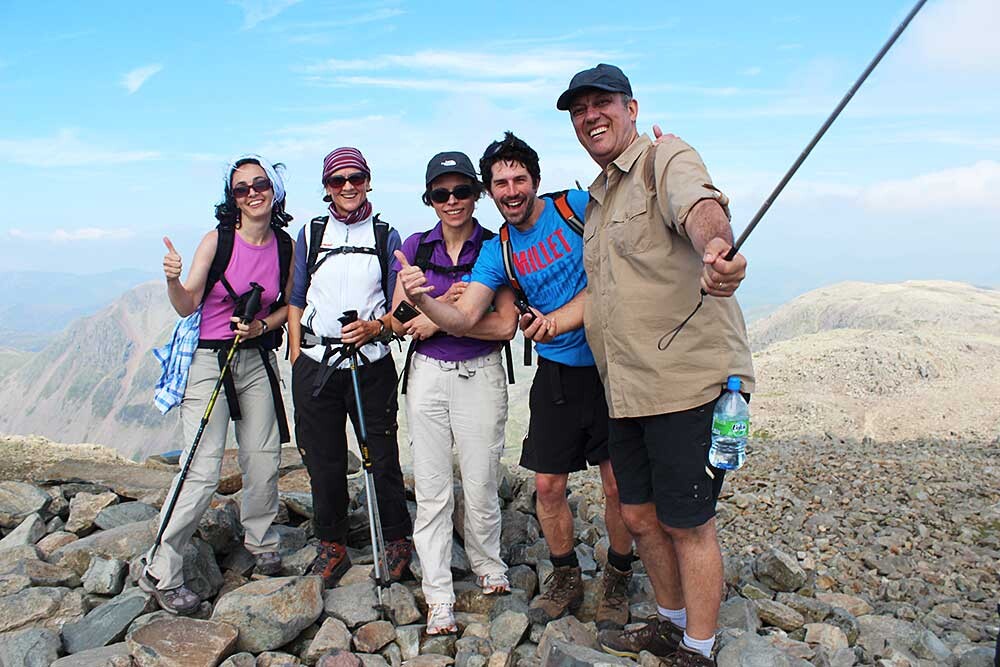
(374, 520)
(249, 309)
(798, 162)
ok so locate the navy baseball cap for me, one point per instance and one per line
(603, 77)
(450, 162)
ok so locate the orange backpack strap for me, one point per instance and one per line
(561, 200)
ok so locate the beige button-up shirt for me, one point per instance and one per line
(643, 279)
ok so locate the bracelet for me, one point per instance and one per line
(263, 327)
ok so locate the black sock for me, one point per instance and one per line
(620, 562)
(566, 560)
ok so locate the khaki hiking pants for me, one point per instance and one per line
(259, 457)
(462, 405)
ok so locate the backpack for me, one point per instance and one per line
(317, 227)
(422, 258)
(560, 200)
(217, 272)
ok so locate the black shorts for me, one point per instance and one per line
(568, 427)
(664, 459)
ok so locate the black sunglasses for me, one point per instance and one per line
(260, 184)
(440, 195)
(356, 179)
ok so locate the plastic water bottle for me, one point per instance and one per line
(730, 427)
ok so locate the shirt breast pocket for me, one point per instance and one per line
(629, 231)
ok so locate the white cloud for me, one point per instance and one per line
(487, 88)
(133, 80)
(72, 235)
(382, 14)
(65, 149)
(257, 11)
(976, 186)
(959, 35)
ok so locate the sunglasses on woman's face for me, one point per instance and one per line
(337, 182)
(440, 195)
(260, 185)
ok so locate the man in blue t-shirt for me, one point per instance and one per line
(569, 415)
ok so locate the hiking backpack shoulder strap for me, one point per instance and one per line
(223, 253)
(284, 266)
(382, 251)
(565, 210)
(422, 258)
(509, 267)
(317, 227)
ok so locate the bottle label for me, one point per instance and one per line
(726, 428)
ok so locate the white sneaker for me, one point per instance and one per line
(441, 619)
(495, 583)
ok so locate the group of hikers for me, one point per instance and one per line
(592, 279)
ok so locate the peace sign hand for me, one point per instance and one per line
(413, 280)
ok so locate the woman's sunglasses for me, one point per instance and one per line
(337, 182)
(260, 185)
(440, 195)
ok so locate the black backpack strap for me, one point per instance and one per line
(284, 266)
(223, 253)
(317, 227)
(382, 250)
(422, 258)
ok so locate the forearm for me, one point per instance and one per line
(277, 318)
(569, 316)
(449, 318)
(180, 298)
(494, 326)
(706, 221)
(294, 329)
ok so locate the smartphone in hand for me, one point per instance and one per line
(405, 312)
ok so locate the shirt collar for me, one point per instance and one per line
(436, 234)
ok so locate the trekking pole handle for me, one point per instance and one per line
(253, 303)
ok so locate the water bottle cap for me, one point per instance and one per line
(733, 383)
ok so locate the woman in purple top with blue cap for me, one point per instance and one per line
(456, 394)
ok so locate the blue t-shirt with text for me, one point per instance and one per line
(548, 259)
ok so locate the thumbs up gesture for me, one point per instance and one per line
(412, 280)
(171, 261)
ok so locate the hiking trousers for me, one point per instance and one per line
(460, 404)
(259, 454)
(320, 433)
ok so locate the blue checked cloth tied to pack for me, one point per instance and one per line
(175, 361)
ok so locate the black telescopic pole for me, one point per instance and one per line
(822, 130)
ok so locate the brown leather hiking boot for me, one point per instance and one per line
(658, 636)
(687, 657)
(612, 612)
(397, 557)
(331, 563)
(564, 594)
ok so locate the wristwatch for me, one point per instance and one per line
(264, 325)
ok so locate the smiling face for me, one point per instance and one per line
(604, 124)
(350, 197)
(515, 193)
(256, 205)
(454, 212)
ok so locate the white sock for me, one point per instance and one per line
(703, 646)
(678, 617)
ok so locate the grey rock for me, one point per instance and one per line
(123, 514)
(338, 658)
(84, 508)
(813, 610)
(441, 645)
(846, 622)
(508, 629)
(55, 524)
(105, 576)
(468, 647)
(524, 578)
(19, 500)
(201, 571)
(291, 538)
(53, 541)
(297, 564)
(881, 632)
(372, 637)
(778, 615)
(977, 657)
(585, 556)
(242, 659)
(750, 650)
(517, 528)
(41, 573)
(779, 570)
(430, 660)
(277, 659)
(59, 505)
(13, 583)
(28, 532)
(353, 604)
(853, 604)
(180, 642)
(33, 647)
(408, 640)
(10, 558)
(401, 604)
(828, 636)
(298, 502)
(564, 654)
(124, 543)
(929, 647)
(271, 612)
(370, 660)
(393, 655)
(332, 635)
(569, 631)
(107, 623)
(41, 605)
(740, 613)
(116, 655)
(460, 566)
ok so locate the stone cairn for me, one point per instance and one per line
(70, 550)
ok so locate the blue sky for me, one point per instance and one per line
(118, 118)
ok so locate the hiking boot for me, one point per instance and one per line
(397, 557)
(180, 601)
(268, 563)
(331, 563)
(612, 612)
(441, 620)
(687, 657)
(564, 594)
(659, 636)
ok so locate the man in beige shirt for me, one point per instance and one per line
(656, 234)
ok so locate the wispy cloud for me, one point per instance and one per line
(258, 11)
(489, 88)
(976, 186)
(133, 80)
(65, 149)
(959, 36)
(72, 235)
(376, 16)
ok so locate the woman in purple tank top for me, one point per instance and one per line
(248, 245)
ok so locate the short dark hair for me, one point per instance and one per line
(509, 149)
(228, 213)
(477, 189)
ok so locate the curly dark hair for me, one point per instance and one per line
(477, 191)
(509, 149)
(228, 213)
